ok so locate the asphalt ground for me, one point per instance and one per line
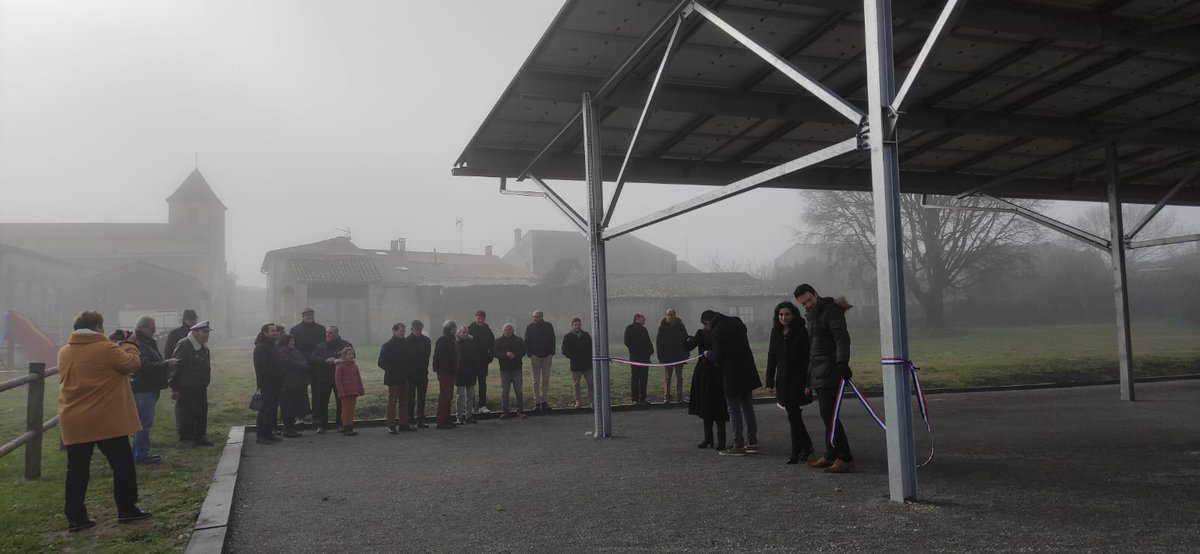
(1043, 470)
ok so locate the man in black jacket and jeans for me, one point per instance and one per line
(146, 383)
(829, 349)
(268, 372)
(484, 341)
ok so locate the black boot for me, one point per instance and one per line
(720, 435)
(708, 434)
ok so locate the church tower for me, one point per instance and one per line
(196, 211)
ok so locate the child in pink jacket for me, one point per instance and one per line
(349, 387)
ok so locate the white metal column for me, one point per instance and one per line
(1116, 225)
(889, 251)
(602, 403)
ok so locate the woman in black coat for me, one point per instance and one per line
(787, 374)
(296, 376)
(707, 399)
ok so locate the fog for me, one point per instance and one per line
(307, 119)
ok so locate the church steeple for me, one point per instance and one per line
(195, 190)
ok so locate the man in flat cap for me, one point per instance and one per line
(186, 322)
(189, 386)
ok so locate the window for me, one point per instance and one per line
(744, 312)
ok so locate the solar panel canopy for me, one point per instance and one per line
(1020, 97)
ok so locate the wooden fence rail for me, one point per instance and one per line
(35, 426)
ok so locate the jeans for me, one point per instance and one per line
(840, 448)
(268, 411)
(511, 380)
(741, 407)
(79, 462)
(482, 383)
(322, 389)
(466, 401)
(445, 395)
(638, 379)
(191, 415)
(146, 402)
(418, 387)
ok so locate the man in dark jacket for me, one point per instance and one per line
(322, 360)
(308, 333)
(414, 355)
(395, 378)
(189, 385)
(637, 340)
(485, 341)
(146, 382)
(189, 319)
(577, 347)
(672, 347)
(732, 355)
(510, 350)
(268, 372)
(539, 346)
(829, 350)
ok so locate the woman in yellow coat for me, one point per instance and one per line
(96, 408)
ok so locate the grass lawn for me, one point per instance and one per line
(31, 511)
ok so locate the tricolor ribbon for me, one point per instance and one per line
(922, 403)
(646, 364)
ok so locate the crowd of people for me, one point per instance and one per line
(110, 386)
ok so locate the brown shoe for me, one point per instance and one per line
(840, 466)
(820, 463)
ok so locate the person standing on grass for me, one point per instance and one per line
(539, 346)
(349, 387)
(96, 409)
(637, 341)
(268, 372)
(185, 326)
(510, 350)
(147, 382)
(189, 385)
(787, 375)
(296, 374)
(323, 358)
(672, 347)
(465, 379)
(829, 352)
(395, 377)
(577, 348)
(485, 340)
(414, 355)
(445, 365)
(731, 353)
(707, 397)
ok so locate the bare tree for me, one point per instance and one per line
(1095, 220)
(944, 250)
(716, 263)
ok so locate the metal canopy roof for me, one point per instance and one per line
(1020, 97)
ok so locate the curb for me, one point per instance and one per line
(212, 524)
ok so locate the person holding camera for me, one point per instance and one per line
(147, 382)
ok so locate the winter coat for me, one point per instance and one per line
(268, 369)
(468, 363)
(414, 357)
(732, 354)
(177, 334)
(707, 398)
(347, 380)
(195, 366)
(578, 349)
(94, 398)
(153, 375)
(540, 339)
(296, 373)
(672, 341)
(391, 362)
(485, 341)
(308, 336)
(787, 362)
(514, 344)
(637, 340)
(445, 355)
(321, 371)
(829, 343)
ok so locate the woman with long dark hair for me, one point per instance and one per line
(787, 374)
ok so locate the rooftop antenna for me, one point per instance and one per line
(197, 161)
(458, 222)
(345, 231)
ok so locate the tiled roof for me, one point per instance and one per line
(342, 270)
(448, 270)
(689, 285)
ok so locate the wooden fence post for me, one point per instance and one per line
(34, 417)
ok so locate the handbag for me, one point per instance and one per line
(256, 401)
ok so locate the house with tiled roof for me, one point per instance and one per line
(364, 291)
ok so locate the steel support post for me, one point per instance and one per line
(602, 403)
(889, 249)
(1120, 286)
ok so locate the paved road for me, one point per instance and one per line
(1045, 470)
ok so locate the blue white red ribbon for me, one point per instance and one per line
(922, 403)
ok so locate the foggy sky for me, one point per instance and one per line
(306, 116)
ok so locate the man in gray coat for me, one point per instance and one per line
(829, 352)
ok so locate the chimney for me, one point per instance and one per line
(400, 244)
(516, 236)
(487, 250)
(395, 246)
